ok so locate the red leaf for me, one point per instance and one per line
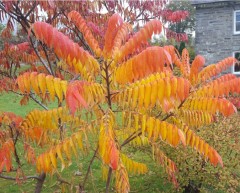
(114, 157)
(75, 96)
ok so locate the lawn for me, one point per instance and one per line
(154, 181)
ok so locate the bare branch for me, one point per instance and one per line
(37, 101)
(38, 55)
(12, 178)
(81, 187)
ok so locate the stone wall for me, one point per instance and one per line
(215, 39)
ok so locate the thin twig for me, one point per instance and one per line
(38, 102)
(108, 180)
(108, 85)
(49, 63)
(61, 180)
(33, 7)
(129, 139)
(26, 177)
(14, 142)
(39, 57)
(81, 187)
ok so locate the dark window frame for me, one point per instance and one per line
(235, 21)
(234, 70)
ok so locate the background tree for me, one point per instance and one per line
(1, 42)
(183, 26)
(186, 25)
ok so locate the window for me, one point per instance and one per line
(236, 67)
(237, 22)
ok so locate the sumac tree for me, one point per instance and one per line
(110, 97)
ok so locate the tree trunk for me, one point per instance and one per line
(108, 180)
(192, 188)
(40, 182)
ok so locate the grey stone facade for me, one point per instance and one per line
(215, 38)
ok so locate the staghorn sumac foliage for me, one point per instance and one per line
(111, 98)
(224, 135)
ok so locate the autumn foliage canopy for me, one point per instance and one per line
(114, 95)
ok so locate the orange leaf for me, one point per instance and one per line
(141, 37)
(77, 19)
(114, 23)
(114, 157)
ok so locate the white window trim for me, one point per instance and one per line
(234, 65)
(234, 23)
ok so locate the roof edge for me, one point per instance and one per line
(200, 2)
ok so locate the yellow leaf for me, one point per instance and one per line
(42, 84)
(67, 151)
(136, 119)
(46, 165)
(147, 97)
(73, 147)
(50, 86)
(52, 155)
(135, 97)
(197, 141)
(78, 137)
(144, 120)
(58, 88)
(175, 136)
(160, 91)
(188, 136)
(38, 165)
(130, 92)
(174, 84)
(150, 125)
(26, 80)
(141, 96)
(123, 118)
(48, 122)
(34, 82)
(206, 149)
(182, 137)
(192, 142)
(122, 181)
(59, 154)
(154, 93)
(156, 130)
(163, 130)
(55, 115)
(167, 88)
(169, 136)
(20, 82)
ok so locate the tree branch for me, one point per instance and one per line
(40, 182)
(39, 57)
(108, 85)
(12, 178)
(49, 63)
(38, 102)
(14, 142)
(108, 180)
(81, 187)
(130, 138)
(61, 180)
(33, 7)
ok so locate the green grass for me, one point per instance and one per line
(153, 182)
(10, 102)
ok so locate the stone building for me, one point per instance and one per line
(218, 30)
